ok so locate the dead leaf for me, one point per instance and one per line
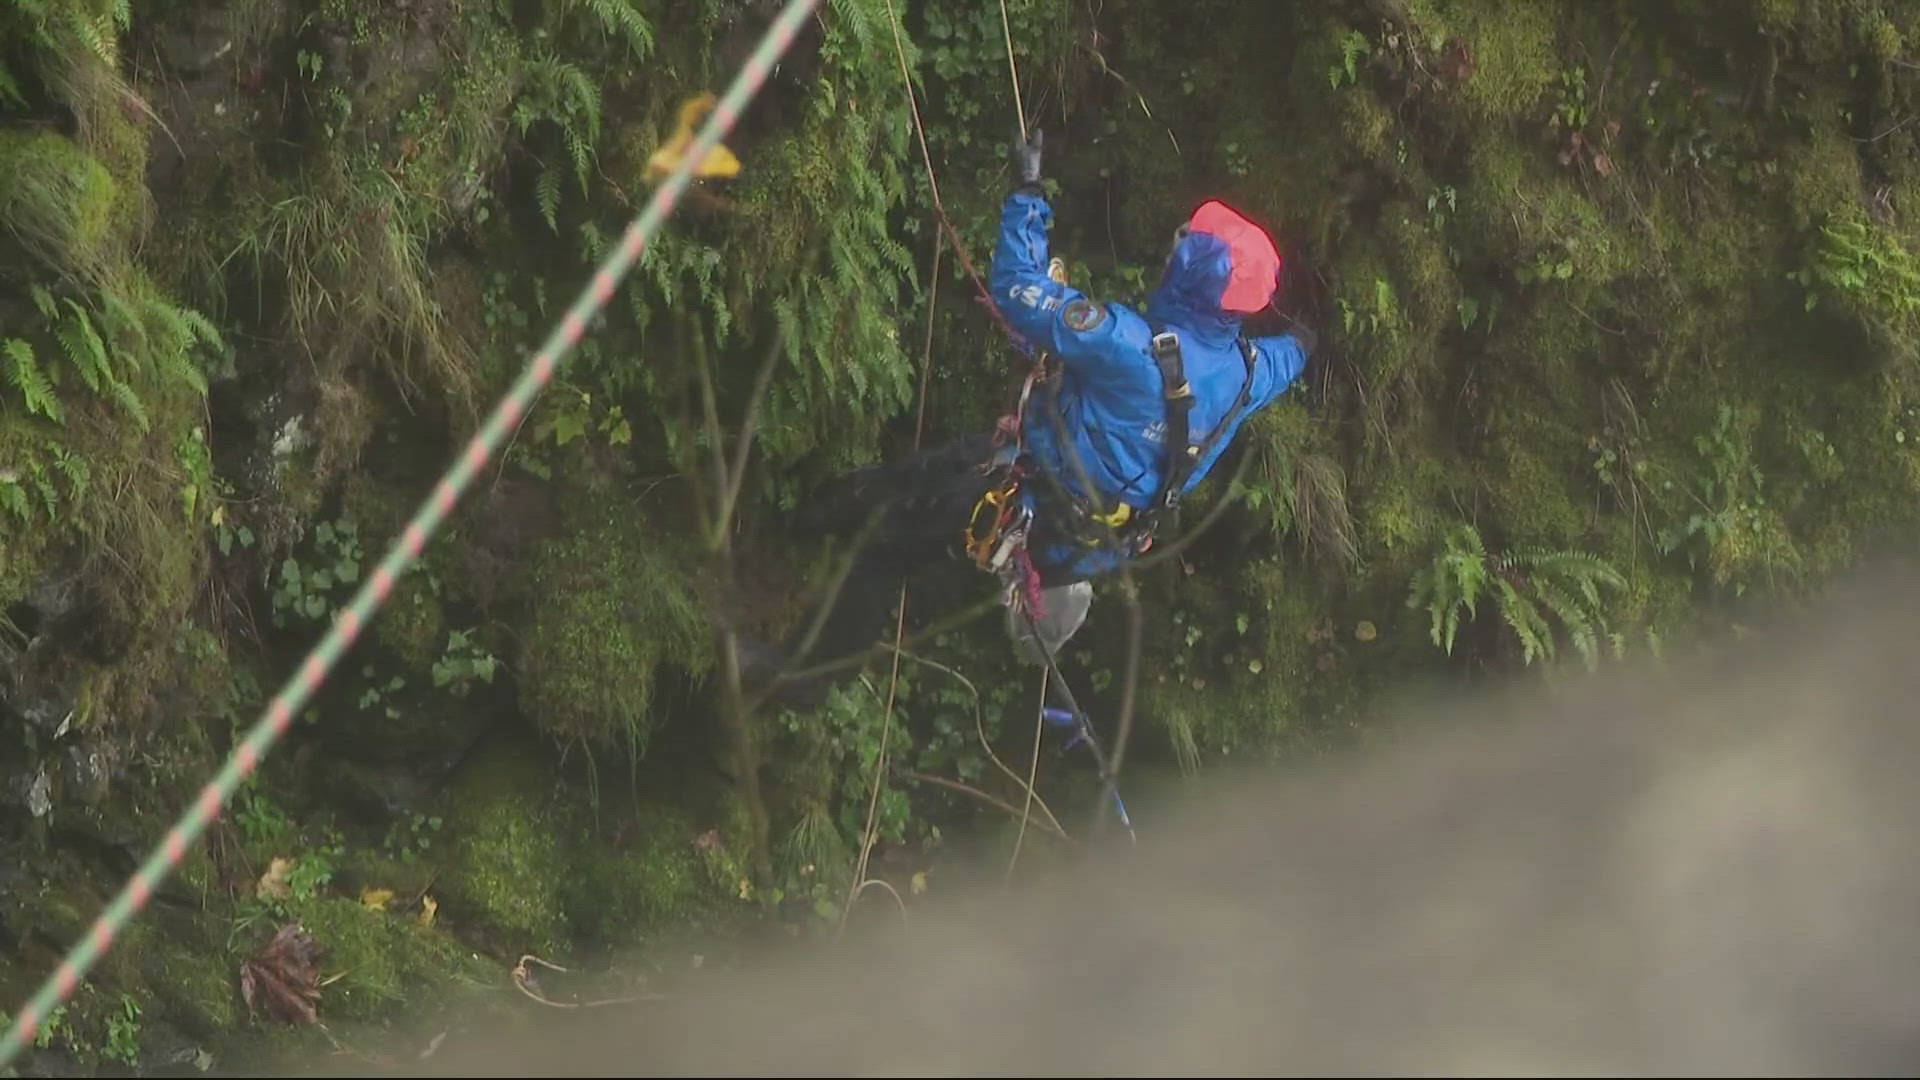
(919, 883)
(1603, 165)
(273, 883)
(282, 976)
(428, 907)
(377, 899)
(719, 161)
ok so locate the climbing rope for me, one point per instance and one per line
(1013, 70)
(933, 185)
(278, 717)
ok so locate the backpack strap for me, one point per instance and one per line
(1178, 396)
(1182, 456)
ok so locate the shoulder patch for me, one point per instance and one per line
(1083, 315)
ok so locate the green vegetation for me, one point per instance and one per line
(1617, 308)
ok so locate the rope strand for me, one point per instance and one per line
(274, 722)
(1013, 70)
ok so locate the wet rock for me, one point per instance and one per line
(165, 1050)
(195, 38)
(52, 599)
(47, 711)
(84, 774)
(32, 789)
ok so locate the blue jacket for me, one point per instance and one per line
(1110, 397)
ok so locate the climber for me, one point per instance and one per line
(1128, 414)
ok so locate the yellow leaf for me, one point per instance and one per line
(219, 516)
(719, 160)
(273, 883)
(428, 906)
(376, 898)
(919, 883)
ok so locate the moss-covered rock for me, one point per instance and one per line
(611, 603)
(510, 852)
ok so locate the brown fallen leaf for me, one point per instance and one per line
(428, 906)
(282, 977)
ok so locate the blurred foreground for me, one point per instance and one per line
(1711, 870)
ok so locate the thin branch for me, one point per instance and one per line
(990, 800)
(521, 976)
(887, 885)
(1039, 722)
(980, 729)
(748, 425)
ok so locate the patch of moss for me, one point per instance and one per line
(1514, 53)
(662, 870)
(611, 602)
(58, 200)
(508, 857)
(381, 958)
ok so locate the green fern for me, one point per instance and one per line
(35, 389)
(74, 468)
(622, 21)
(14, 497)
(1527, 585)
(546, 192)
(83, 346)
(1453, 582)
(130, 401)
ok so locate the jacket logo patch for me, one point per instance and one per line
(1082, 315)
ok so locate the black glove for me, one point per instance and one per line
(1026, 159)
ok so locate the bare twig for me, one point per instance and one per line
(1033, 770)
(990, 800)
(887, 885)
(521, 975)
(879, 766)
(980, 729)
(749, 423)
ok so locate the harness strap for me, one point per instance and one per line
(1182, 456)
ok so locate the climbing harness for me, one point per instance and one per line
(277, 718)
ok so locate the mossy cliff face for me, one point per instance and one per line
(1616, 306)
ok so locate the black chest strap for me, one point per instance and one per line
(1183, 456)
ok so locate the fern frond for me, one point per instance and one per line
(582, 155)
(1519, 613)
(546, 192)
(48, 497)
(84, 347)
(75, 469)
(131, 402)
(621, 20)
(89, 35)
(32, 382)
(202, 328)
(1580, 623)
(14, 498)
